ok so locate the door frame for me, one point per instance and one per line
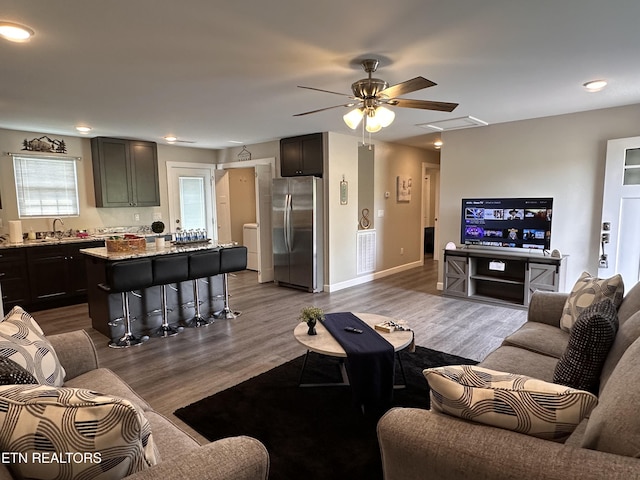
(265, 272)
(435, 185)
(171, 201)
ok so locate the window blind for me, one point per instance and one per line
(46, 186)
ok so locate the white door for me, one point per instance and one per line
(223, 207)
(263, 217)
(190, 192)
(621, 211)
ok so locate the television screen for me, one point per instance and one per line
(507, 222)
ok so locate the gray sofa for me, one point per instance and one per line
(423, 444)
(181, 457)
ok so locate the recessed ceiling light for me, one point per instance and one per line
(595, 85)
(83, 129)
(236, 141)
(14, 32)
(171, 139)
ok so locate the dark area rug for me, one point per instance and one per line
(314, 432)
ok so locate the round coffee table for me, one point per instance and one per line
(324, 343)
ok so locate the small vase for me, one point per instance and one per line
(312, 328)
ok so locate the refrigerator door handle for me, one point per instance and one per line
(287, 222)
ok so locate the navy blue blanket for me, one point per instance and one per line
(370, 360)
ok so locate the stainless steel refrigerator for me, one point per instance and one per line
(297, 220)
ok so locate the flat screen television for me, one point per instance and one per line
(507, 222)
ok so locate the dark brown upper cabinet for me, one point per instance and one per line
(125, 172)
(302, 155)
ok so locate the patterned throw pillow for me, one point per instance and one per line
(590, 340)
(510, 401)
(71, 433)
(22, 340)
(587, 291)
(12, 374)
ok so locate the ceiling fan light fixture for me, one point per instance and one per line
(385, 116)
(353, 118)
(372, 124)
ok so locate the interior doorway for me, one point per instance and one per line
(246, 194)
(430, 206)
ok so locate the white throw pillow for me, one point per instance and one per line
(510, 401)
(587, 291)
(72, 433)
(22, 340)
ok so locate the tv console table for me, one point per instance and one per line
(501, 277)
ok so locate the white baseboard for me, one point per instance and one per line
(371, 276)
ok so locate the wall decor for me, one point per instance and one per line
(44, 144)
(365, 223)
(244, 154)
(403, 188)
(344, 191)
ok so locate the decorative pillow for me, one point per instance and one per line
(11, 373)
(71, 433)
(587, 291)
(510, 401)
(590, 340)
(22, 340)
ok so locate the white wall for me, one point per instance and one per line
(90, 216)
(561, 157)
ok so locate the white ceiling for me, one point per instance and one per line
(214, 71)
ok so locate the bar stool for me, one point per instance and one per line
(202, 264)
(232, 259)
(124, 277)
(168, 269)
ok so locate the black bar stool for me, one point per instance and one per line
(232, 259)
(124, 277)
(202, 264)
(168, 269)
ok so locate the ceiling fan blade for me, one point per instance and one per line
(409, 86)
(323, 109)
(327, 91)
(424, 104)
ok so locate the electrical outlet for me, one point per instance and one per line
(401, 250)
(136, 217)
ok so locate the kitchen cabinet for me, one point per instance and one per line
(125, 172)
(302, 155)
(13, 277)
(57, 272)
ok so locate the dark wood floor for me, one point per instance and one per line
(173, 372)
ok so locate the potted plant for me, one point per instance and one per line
(158, 227)
(311, 315)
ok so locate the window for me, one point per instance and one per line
(46, 186)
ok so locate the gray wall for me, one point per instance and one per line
(561, 157)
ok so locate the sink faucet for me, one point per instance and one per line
(55, 233)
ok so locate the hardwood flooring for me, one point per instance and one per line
(173, 372)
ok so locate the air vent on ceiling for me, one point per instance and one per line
(454, 124)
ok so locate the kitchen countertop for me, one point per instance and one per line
(101, 252)
(51, 241)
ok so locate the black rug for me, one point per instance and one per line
(311, 433)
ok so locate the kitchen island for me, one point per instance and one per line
(105, 307)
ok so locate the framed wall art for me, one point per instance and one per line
(403, 188)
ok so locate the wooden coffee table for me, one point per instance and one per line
(324, 344)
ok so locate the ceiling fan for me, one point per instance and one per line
(371, 96)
